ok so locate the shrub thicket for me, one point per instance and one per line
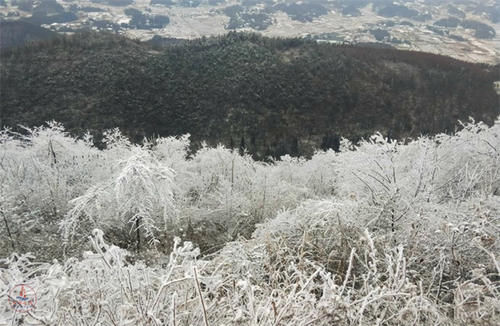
(382, 233)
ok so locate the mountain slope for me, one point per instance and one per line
(271, 96)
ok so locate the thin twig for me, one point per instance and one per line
(8, 231)
(173, 309)
(205, 319)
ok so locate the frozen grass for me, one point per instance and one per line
(382, 233)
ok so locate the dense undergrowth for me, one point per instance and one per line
(381, 233)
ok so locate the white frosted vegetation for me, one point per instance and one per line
(382, 233)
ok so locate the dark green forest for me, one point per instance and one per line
(18, 33)
(271, 96)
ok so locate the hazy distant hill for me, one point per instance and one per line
(271, 96)
(16, 33)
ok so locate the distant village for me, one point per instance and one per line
(466, 33)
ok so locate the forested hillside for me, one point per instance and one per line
(18, 33)
(270, 96)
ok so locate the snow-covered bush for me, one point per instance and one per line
(103, 288)
(381, 233)
(140, 194)
(45, 168)
(41, 170)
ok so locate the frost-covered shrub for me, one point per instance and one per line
(45, 168)
(446, 167)
(242, 285)
(224, 194)
(469, 162)
(41, 170)
(105, 289)
(433, 191)
(382, 233)
(140, 195)
(321, 232)
(440, 253)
